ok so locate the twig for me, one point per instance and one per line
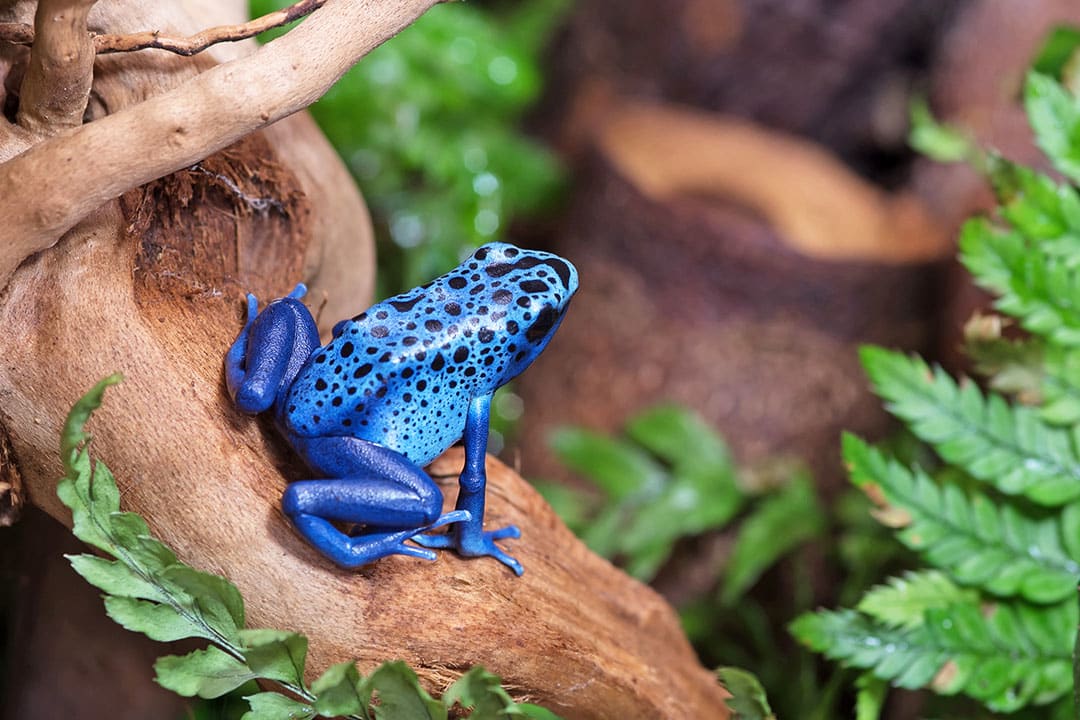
(57, 83)
(56, 183)
(22, 34)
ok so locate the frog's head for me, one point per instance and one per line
(530, 292)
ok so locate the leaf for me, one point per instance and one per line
(993, 654)
(678, 436)
(72, 436)
(114, 578)
(400, 695)
(216, 600)
(980, 543)
(275, 654)
(480, 691)
(748, 700)
(779, 524)
(208, 673)
(157, 621)
(1057, 49)
(903, 601)
(534, 712)
(272, 706)
(1039, 289)
(935, 140)
(617, 468)
(1055, 117)
(1013, 367)
(870, 698)
(1009, 447)
(336, 691)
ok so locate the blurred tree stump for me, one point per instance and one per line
(734, 270)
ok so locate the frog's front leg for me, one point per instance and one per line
(367, 484)
(468, 537)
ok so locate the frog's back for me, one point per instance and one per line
(402, 374)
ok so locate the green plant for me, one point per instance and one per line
(146, 589)
(997, 517)
(427, 123)
(673, 477)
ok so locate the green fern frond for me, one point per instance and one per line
(1038, 207)
(980, 542)
(1040, 290)
(1006, 655)
(1054, 114)
(1011, 448)
(1061, 386)
(903, 601)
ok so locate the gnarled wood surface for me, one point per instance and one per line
(151, 285)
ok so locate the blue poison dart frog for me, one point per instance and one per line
(395, 387)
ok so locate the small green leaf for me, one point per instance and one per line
(336, 691)
(275, 654)
(534, 712)
(1057, 50)
(903, 601)
(1055, 117)
(272, 706)
(481, 692)
(748, 700)
(870, 696)
(157, 621)
(678, 436)
(72, 435)
(617, 468)
(779, 525)
(208, 673)
(114, 577)
(936, 140)
(217, 600)
(400, 695)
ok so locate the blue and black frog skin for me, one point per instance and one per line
(395, 387)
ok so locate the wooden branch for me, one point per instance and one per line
(57, 83)
(50, 187)
(23, 34)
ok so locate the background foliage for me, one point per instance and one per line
(428, 123)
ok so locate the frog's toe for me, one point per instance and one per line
(252, 308)
(438, 542)
(510, 531)
(453, 516)
(506, 559)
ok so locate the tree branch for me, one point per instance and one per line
(23, 34)
(53, 185)
(57, 83)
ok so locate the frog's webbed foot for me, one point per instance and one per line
(470, 541)
(360, 550)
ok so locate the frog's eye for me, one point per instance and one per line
(544, 322)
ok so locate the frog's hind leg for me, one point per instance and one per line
(370, 485)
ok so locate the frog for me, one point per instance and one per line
(394, 388)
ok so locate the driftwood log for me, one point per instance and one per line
(126, 245)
